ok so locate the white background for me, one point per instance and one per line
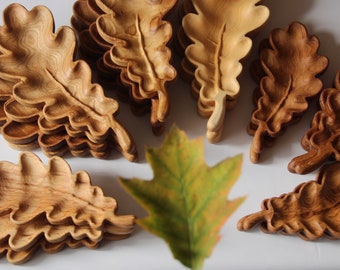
(236, 250)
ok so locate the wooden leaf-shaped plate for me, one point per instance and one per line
(31, 183)
(217, 30)
(322, 140)
(32, 193)
(58, 87)
(291, 64)
(138, 36)
(311, 211)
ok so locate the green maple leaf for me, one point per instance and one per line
(186, 200)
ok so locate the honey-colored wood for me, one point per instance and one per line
(51, 205)
(53, 93)
(322, 140)
(138, 36)
(85, 14)
(290, 66)
(92, 46)
(217, 31)
(143, 63)
(6, 87)
(22, 256)
(311, 211)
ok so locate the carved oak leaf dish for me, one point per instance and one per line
(322, 140)
(92, 47)
(129, 39)
(48, 206)
(138, 36)
(53, 103)
(217, 31)
(311, 211)
(289, 65)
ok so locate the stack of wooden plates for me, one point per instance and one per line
(49, 100)
(48, 207)
(130, 39)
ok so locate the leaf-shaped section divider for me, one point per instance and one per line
(218, 32)
(139, 36)
(291, 65)
(310, 211)
(322, 140)
(52, 81)
(186, 199)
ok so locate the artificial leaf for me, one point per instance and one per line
(291, 64)
(322, 140)
(186, 199)
(310, 211)
(218, 30)
(51, 82)
(51, 203)
(139, 35)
